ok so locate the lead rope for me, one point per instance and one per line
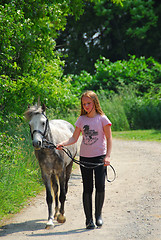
(50, 145)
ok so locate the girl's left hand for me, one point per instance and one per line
(107, 161)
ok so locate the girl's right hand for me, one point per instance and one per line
(59, 146)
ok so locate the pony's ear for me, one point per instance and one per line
(29, 106)
(43, 107)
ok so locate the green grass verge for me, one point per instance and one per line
(20, 176)
(139, 135)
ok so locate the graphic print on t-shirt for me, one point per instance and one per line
(89, 137)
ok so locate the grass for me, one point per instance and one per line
(20, 176)
(139, 135)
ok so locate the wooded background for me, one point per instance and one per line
(56, 49)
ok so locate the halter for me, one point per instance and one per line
(38, 131)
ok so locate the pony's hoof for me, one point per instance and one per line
(49, 224)
(56, 216)
(61, 218)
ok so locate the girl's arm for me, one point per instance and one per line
(108, 134)
(71, 140)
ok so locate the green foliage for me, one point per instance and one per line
(128, 111)
(112, 31)
(130, 91)
(30, 67)
(19, 172)
(141, 15)
(45, 81)
(144, 74)
(147, 114)
(114, 109)
(82, 82)
(12, 30)
(30, 27)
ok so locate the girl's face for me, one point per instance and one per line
(88, 104)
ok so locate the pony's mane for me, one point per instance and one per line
(32, 111)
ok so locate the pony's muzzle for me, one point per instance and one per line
(36, 144)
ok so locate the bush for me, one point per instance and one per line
(114, 110)
(47, 83)
(142, 73)
(128, 111)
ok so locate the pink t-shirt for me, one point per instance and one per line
(94, 140)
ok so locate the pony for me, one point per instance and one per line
(55, 165)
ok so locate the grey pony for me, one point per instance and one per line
(55, 165)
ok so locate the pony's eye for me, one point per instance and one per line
(43, 123)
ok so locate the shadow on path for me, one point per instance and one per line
(35, 225)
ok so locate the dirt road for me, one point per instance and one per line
(132, 208)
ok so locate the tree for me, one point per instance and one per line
(28, 58)
(112, 31)
(30, 65)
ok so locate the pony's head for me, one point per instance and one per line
(38, 123)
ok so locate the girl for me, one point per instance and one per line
(95, 148)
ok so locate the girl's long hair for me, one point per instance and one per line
(94, 98)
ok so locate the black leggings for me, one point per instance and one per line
(87, 175)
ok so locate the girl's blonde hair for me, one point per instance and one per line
(94, 98)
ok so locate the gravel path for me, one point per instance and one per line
(132, 208)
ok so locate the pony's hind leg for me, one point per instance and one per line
(68, 173)
(61, 218)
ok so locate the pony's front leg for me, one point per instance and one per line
(49, 200)
(61, 218)
(55, 185)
